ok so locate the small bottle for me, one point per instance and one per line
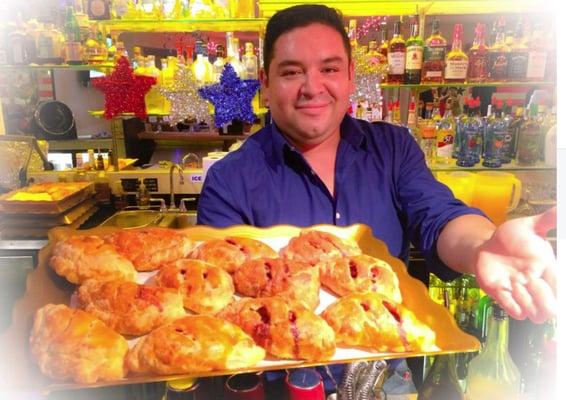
(414, 57)
(445, 133)
(396, 56)
(428, 142)
(100, 162)
(478, 56)
(433, 56)
(249, 60)
(456, 65)
(142, 195)
(493, 374)
(218, 65)
(102, 188)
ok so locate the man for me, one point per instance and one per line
(314, 164)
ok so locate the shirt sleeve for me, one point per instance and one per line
(426, 204)
(217, 206)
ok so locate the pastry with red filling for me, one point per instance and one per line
(313, 246)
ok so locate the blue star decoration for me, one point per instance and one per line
(231, 97)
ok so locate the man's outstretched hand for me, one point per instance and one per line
(517, 267)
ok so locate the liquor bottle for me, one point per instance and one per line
(493, 374)
(352, 33)
(384, 43)
(202, 69)
(249, 60)
(414, 57)
(516, 121)
(445, 132)
(441, 381)
(536, 64)
(478, 55)
(374, 57)
(433, 56)
(233, 53)
(529, 139)
(471, 132)
(153, 100)
(456, 68)
(428, 141)
(396, 56)
(518, 56)
(458, 134)
(496, 132)
(218, 65)
(498, 55)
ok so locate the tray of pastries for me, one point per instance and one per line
(45, 198)
(108, 306)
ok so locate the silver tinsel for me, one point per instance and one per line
(185, 99)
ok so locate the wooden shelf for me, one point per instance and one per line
(190, 136)
(80, 144)
(184, 25)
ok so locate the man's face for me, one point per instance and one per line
(309, 84)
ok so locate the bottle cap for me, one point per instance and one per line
(182, 384)
(498, 312)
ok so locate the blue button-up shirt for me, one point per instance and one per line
(381, 180)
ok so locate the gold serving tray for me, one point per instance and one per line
(44, 286)
(82, 192)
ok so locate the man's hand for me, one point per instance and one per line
(517, 267)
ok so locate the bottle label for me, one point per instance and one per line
(396, 62)
(432, 53)
(536, 65)
(445, 143)
(456, 69)
(518, 63)
(478, 66)
(498, 63)
(414, 60)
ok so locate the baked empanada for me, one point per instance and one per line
(130, 308)
(266, 277)
(313, 246)
(361, 273)
(374, 322)
(285, 329)
(205, 288)
(231, 252)
(196, 343)
(149, 248)
(72, 344)
(82, 257)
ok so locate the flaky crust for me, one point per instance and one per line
(130, 308)
(292, 280)
(194, 344)
(283, 328)
(361, 273)
(149, 248)
(313, 246)
(371, 321)
(205, 288)
(231, 252)
(82, 257)
(72, 344)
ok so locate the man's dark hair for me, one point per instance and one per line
(298, 17)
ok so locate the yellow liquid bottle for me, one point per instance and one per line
(154, 102)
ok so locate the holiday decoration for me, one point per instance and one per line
(124, 91)
(368, 72)
(231, 97)
(184, 98)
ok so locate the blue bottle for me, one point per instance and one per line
(471, 137)
(496, 131)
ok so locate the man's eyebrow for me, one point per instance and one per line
(328, 60)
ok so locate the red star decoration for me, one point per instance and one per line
(124, 91)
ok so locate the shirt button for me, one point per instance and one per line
(337, 215)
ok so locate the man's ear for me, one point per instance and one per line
(264, 80)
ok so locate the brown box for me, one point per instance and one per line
(19, 371)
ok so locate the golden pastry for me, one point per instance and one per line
(205, 288)
(196, 343)
(82, 257)
(361, 273)
(313, 246)
(285, 329)
(374, 322)
(72, 344)
(231, 252)
(266, 277)
(149, 248)
(130, 308)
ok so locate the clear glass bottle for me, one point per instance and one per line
(441, 382)
(428, 141)
(433, 56)
(396, 53)
(471, 134)
(493, 374)
(496, 131)
(456, 65)
(218, 64)
(414, 56)
(445, 133)
(384, 43)
(529, 138)
(249, 60)
(537, 59)
(478, 56)
(510, 143)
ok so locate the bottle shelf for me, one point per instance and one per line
(512, 166)
(80, 144)
(184, 25)
(78, 67)
(467, 84)
(361, 8)
(208, 136)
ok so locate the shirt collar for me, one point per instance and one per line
(350, 131)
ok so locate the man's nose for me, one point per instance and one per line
(313, 84)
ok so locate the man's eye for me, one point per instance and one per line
(330, 70)
(290, 73)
